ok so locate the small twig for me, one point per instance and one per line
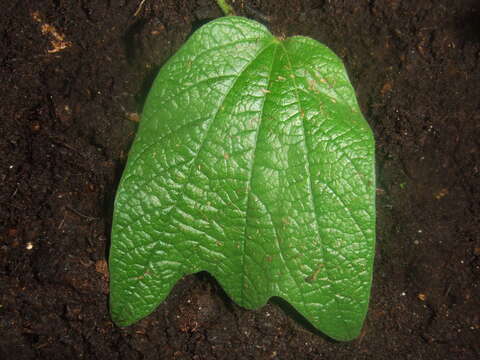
(90, 218)
(139, 8)
(59, 142)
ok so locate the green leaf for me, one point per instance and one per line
(252, 162)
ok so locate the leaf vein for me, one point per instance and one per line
(250, 175)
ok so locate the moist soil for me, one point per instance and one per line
(73, 78)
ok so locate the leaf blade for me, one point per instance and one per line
(235, 190)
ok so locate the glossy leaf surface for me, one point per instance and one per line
(252, 162)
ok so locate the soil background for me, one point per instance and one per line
(73, 78)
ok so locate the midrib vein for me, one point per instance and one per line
(250, 174)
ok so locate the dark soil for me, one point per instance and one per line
(68, 112)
